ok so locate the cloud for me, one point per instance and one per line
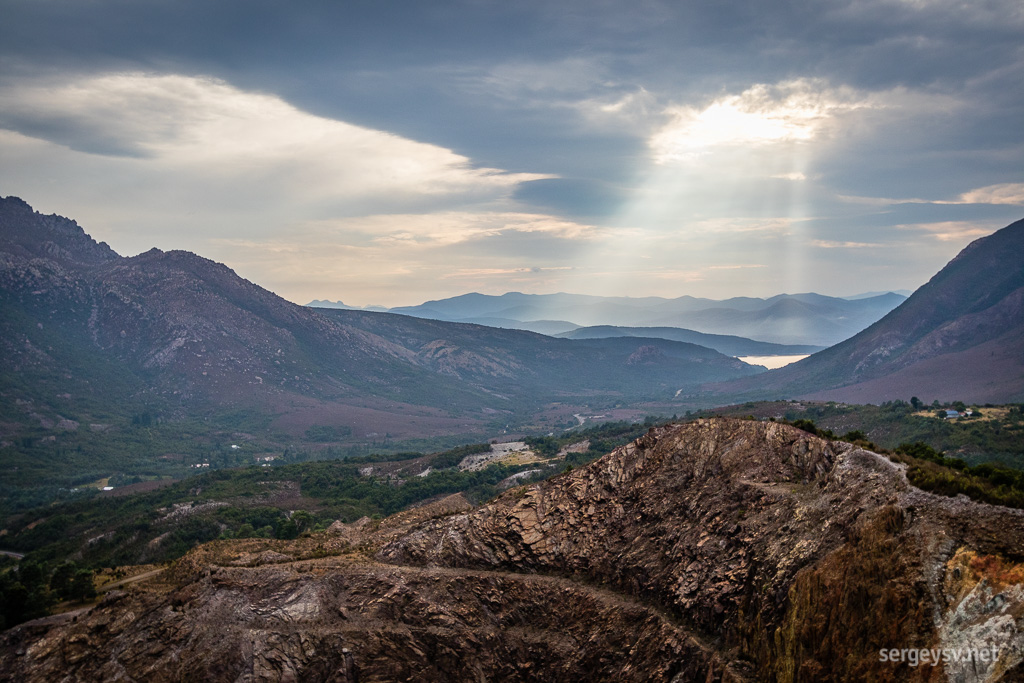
(1009, 194)
(1003, 193)
(478, 272)
(635, 109)
(573, 76)
(207, 127)
(833, 244)
(737, 266)
(683, 134)
(452, 227)
(948, 231)
(749, 227)
(576, 95)
(393, 259)
(789, 112)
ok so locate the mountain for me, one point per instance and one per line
(522, 307)
(727, 344)
(800, 319)
(868, 295)
(518, 363)
(89, 337)
(317, 303)
(552, 328)
(959, 337)
(786, 319)
(719, 550)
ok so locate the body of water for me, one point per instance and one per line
(771, 362)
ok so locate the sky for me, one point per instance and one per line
(389, 153)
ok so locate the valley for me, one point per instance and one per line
(526, 342)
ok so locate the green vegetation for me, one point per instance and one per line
(603, 439)
(280, 501)
(931, 470)
(993, 434)
(809, 427)
(323, 433)
(24, 593)
(148, 446)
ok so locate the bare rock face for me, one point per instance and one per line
(719, 550)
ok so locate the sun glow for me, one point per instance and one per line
(790, 112)
(728, 183)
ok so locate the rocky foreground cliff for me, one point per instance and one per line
(718, 550)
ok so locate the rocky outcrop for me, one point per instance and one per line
(362, 622)
(805, 556)
(719, 550)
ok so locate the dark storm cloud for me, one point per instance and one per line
(396, 65)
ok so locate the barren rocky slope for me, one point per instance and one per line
(714, 550)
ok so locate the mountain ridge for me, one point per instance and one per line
(192, 338)
(801, 319)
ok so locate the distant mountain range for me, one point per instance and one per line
(958, 337)
(88, 336)
(794, 319)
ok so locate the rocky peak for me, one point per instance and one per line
(33, 235)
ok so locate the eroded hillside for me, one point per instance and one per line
(715, 550)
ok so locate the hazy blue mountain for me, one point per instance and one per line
(959, 337)
(806, 319)
(786, 319)
(868, 295)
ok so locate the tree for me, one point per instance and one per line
(287, 530)
(82, 586)
(916, 402)
(24, 594)
(303, 520)
(62, 578)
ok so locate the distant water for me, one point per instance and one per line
(771, 362)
